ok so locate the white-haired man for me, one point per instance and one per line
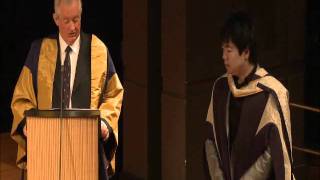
(92, 81)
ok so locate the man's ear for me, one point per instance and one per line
(246, 53)
(55, 18)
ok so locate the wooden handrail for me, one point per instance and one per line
(312, 109)
(309, 151)
(309, 108)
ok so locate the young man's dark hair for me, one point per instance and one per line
(239, 29)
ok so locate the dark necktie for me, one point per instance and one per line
(66, 78)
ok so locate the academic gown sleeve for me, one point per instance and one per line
(110, 108)
(211, 153)
(24, 98)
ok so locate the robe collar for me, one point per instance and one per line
(249, 88)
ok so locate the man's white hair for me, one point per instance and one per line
(57, 3)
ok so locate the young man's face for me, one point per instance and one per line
(68, 20)
(233, 60)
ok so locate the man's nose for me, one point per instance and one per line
(72, 26)
(224, 56)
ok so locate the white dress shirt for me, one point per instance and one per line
(75, 47)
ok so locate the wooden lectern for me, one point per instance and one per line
(62, 146)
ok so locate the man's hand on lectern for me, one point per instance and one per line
(104, 131)
(25, 130)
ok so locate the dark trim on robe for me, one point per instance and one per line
(274, 150)
(111, 69)
(283, 124)
(81, 93)
(111, 141)
(220, 97)
(110, 72)
(247, 128)
(56, 90)
(32, 62)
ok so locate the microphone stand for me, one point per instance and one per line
(61, 114)
(61, 90)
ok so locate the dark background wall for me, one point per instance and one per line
(312, 84)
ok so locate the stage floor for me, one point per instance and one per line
(8, 151)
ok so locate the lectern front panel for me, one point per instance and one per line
(62, 149)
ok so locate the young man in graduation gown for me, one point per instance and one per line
(91, 79)
(248, 120)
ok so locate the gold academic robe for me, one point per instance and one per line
(96, 86)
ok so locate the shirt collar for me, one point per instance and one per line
(247, 79)
(75, 46)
